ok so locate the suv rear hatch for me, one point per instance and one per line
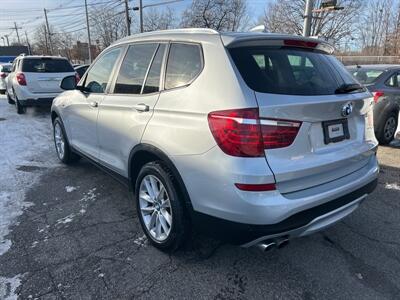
(44, 74)
(315, 110)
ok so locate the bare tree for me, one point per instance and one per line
(376, 27)
(159, 20)
(107, 25)
(286, 16)
(222, 15)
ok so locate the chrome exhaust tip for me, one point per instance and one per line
(282, 243)
(266, 246)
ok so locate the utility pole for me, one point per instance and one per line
(141, 15)
(8, 43)
(88, 33)
(48, 31)
(16, 29)
(27, 43)
(3, 40)
(127, 18)
(45, 39)
(308, 17)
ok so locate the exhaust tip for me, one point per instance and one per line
(266, 246)
(282, 243)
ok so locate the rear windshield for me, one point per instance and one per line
(5, 69)
(366, 76)
(46, 65)
(290, 71)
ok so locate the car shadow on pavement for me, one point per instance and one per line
(82, 239)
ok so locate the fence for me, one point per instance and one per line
(369, 60)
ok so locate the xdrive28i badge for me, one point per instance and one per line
(347, 109)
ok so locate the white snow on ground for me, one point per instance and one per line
(392, 186)
(10, 285)
(25, 140)
(70, 189)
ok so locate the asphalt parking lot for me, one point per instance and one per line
(72, 233)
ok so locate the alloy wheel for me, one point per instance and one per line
(59, 140)
(390, 128)
(155, 208)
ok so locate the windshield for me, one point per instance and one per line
(290, 71)
(366, 76)
(46, 65)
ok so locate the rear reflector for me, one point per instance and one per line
(299, 43)
(242, 133)
(3, 75)
(377, 95)
(256, 187)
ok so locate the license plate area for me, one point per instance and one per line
(335, 131)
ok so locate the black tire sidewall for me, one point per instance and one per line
(177, 234)
(381, 131)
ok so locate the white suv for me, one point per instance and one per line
(35, 80)
(256, 138)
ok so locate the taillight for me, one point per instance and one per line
(21, 79)
(377, 95)
(279, 133)
(242, 133)
(3, 75)
(237, 132)
(77, 78)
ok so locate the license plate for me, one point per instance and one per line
(335, 131)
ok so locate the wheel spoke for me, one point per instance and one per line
(154, 187)
(149, 188)
(147, 210)
(160, 195)
(164, 224)
(152, 220)
(146, 197)
(158, 226)
(166, 204)
(166, 216)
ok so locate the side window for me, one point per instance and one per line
(152, 84)
(98, 76)
(394, 81)
(184, 64)
(133, 69)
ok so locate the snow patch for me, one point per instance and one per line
(392, 186)
(65, 220)
(8, 287)
(70, 189)
(141, 241)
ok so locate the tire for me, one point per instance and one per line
(10, 101)
(167, 224)
(387, 128)
(20, 108)
(63, 150)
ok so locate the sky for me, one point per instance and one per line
(28, 14)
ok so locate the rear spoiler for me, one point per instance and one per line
(267, 39)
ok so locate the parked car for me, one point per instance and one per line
(81, 69)
(6, 59)
(5, 69)
(256, 138)
(384, 82)
(35, 80)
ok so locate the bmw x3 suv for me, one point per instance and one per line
(35, 80)
(255, 138)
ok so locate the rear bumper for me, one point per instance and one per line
(36, 102)
(300, 224)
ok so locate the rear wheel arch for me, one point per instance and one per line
(54, 115)
(145, 153)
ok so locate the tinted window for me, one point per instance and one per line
(81, 70)
(289, 71)
(184, 64)
(133, 69)
(152, 84)
(46, 65)
(98, 76)
(366, 76)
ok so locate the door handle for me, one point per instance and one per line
(141, 107)
(93, 104)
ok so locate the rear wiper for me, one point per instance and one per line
(348, 88)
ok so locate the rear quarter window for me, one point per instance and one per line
(290, 71)
(46, 65)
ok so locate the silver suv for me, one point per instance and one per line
(256, 138)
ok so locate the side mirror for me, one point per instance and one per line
(68, 83)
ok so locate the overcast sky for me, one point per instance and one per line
(29, 13)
